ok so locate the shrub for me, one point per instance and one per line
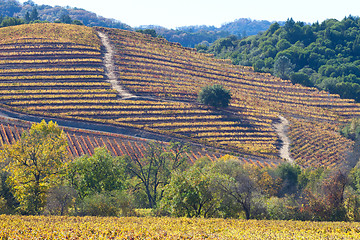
(215, 96)
(106, 204)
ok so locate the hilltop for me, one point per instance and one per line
(13, 8)
(187, 36)
(59, 71)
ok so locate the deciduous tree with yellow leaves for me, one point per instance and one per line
(35, 163)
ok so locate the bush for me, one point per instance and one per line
(3, 206)
(215, 96)
(106, 204)
(8, 203)
(281, 208)
(59, 199)
(301, 78)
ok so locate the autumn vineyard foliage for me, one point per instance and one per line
(58, 71)
(82, 142)
(56, 227)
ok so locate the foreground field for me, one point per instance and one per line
(21, 227)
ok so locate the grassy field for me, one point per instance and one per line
(56, 227)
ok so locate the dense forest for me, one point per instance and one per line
(188, 36)
(325, 55)
(14, 9)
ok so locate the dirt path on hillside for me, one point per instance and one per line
(110, 67)
(281, 129)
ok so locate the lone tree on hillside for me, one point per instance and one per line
(215, 96)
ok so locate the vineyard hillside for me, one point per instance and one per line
(74, 73)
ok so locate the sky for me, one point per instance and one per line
(177, 13)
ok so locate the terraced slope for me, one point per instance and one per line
(62, 75)
(41, 64)
(154, 67)
(58, 70)
(83, 141)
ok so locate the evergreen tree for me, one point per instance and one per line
(65, 18)
(27, 17)
(283, 67)
(34, 15)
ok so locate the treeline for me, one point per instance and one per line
(188, 36)
(15, 10)
(325, 55)
(33, 17)
(38, 177)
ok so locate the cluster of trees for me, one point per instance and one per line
(33, 17)
(325, 55)
(15, 11)
(188, 36)
(37, 177)
(352, 130)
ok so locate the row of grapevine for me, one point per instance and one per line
(143, 62)
(153, 67)
(49, 33)
(82, 142)
(36, 91)
(72, 84)
(55, 62)
(315, 145)
(65, 227)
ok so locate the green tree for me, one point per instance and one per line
(215, 96)
(236, 184)
(283, 44)
(77, 22)
(352, 130)
(114, 203)
(259, 65)
(65, 18)
(191, 193)
(150, 32)
(27, 17)
(11, 21)
(154, 171)
(98, 173)
(35, 163)
(283, 67)
(6, 196)
(34, 15)
(289, 174)
(59, 199)
(301, 78)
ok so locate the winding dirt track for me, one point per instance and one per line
(281, 129)
(110, 67)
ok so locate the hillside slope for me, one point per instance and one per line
(63, 76)
(325, 55)
(188, 36)
(153, 67)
